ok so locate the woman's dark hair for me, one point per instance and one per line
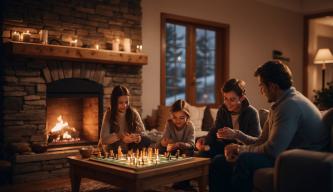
(275, 72)
(131, 124)
(235, 85)
(180, 105)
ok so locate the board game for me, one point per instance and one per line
(140, 160)
(123, 162)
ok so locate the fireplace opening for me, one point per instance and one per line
(74, 112)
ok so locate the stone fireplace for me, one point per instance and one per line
(46, 87)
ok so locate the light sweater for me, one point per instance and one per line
(105, 134)
(293, 122)
(186, 134)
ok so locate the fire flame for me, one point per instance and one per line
(66, 135)
(60, 125)
(62, 131)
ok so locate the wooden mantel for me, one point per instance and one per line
(76, 53)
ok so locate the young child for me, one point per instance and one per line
(122, 124)
(179, 130)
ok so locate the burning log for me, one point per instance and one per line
(62, 132)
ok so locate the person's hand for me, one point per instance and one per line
(231, 152)
(200, 144)
(226, 133)
(113, 138)
(165, 141)
(170, 147)
(128, 138)
(137, 138)
(180, 145)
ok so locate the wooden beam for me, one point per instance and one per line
(76, 53)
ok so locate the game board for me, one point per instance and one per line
(148, 164)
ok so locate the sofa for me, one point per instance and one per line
(299, 170)
(203, 118)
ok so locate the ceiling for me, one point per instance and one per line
(302, 6)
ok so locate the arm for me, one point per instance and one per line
(140, 126)
(105, 136)
(189, 138)
(253, 128)
(284, 124)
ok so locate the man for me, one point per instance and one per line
(293, 122)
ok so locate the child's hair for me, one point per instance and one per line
(180, 105)
(238, 86)
(117, 92)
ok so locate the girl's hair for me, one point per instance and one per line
(180, 105)
(117, 92)
(235, 85)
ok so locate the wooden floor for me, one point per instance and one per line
(63, 185)
(36, 185)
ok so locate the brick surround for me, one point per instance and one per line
(25, 80)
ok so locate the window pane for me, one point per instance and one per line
(175, 62)
(205, 66)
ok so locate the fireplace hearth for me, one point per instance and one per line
(74, 109)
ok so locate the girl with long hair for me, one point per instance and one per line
(122, 124)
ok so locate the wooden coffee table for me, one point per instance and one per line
(141, 179)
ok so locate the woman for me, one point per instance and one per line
(122, 125)
(236, 121)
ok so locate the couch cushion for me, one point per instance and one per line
(207, 121)
(263, 180)
(162, 117)
(197, 114)
(198, 134)
(209, 117)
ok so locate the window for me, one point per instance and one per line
(193, 60)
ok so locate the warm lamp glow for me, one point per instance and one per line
(323, 56)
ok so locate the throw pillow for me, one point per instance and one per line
(197, 114)
(207, 121)
(162, 117)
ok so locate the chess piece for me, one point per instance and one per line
(120, 153)
(169, 156)
(177, 154)
(111, 153)
(99, 154)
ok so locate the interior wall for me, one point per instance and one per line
(255, 30)
(320, 36)
(317, 6)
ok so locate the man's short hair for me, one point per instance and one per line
(275, 72)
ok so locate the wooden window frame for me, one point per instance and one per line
(222, 55)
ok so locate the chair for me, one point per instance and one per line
(299, 170)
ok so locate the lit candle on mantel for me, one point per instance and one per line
(97, 46)
(26, 36)
(16, 36)
(73, 43)
(139, 48)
